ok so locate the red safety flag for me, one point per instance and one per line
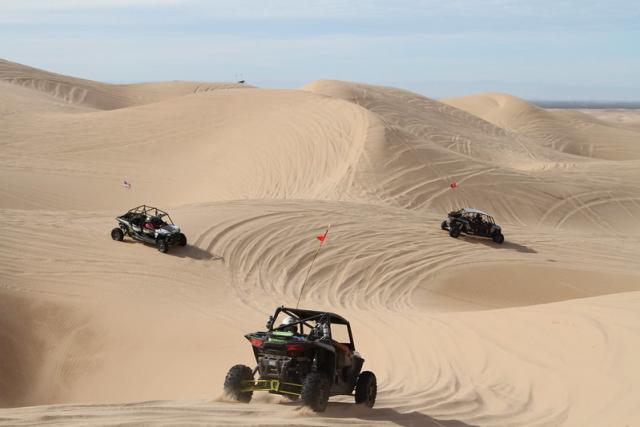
(453, 185)
(323, 237)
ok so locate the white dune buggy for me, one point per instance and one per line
(149, 225)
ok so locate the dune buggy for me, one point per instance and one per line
(473, 222)
(149, 225)
(310, 356)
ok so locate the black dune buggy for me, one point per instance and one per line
(473, 222)
(149, 225)
(310, 356)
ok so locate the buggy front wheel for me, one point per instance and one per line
(182, 239)
(455, 231)
(498, 238)
(162, 245)
(444, 225)
(117, 234)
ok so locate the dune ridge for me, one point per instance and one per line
(540, 331)
(97, 95)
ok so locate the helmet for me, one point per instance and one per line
(288, 324)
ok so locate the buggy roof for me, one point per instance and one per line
(148, 210)
(473, 211)
(305, 314)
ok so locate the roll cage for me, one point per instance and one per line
(485, 218)
(151, 212)
(469, 215)
(304, 317)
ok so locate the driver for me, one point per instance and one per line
(152, 223)
(477, 220)
(149, 227)
(288, 325)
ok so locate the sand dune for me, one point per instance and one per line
(96, 95)
(625, 117)
(542, 330)
(567, 131)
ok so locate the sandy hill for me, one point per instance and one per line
(542, 330)
(563, 130)
(97, 95)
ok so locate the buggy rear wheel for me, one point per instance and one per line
(234, 382)
(315, 391)
(455, 231)
(366, 389)
(162, 245)
(117, 234)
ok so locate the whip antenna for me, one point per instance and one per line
(322, 238)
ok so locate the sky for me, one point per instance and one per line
(535, 49)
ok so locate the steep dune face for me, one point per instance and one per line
(566, 131)
(19, 361)
(47, 344)
(542, 330)
(206, 146)
(438, 123)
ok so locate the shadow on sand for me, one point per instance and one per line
(188, 251)
(408, 419)
(193, 252)
(506, 245)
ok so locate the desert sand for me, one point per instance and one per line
(543, 330)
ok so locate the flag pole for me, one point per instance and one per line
(315, 255)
